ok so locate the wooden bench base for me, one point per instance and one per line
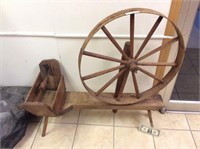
(83, 100)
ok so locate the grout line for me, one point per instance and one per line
(194, 67)
(157, 128)
(183, 112)
(173, 129)
(189, 93)
(186, 53)
(154, 142)
(114, 130)
(151, 126)
(127, 126)
(189, 74)
(190, 59)
(175, 89)
(40, 123)
(196, 130)
(191, 132)
(96, 125)
(177, 93)
(76, 130)
(62, 123)
(79, 124)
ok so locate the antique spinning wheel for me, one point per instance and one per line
(131, 60)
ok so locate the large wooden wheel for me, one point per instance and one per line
(131, 60)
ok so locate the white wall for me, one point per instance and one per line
(20, 56)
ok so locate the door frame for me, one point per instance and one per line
(187, 14)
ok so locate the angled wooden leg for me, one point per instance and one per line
(150, 117)
(121, 81)
(45, 126)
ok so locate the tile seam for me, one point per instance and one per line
(191, 132)
(75, 130)
(40, 123)
(113, 130)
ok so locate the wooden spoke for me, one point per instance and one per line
(103, 57)
(149, 36)
(149, 74)
(135, 85)
(132, 23)
(114, 42)
(110, 82)
(102, 72)
(158, 49)
(157, 64)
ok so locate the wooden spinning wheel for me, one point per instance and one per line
(55, 103)
(131, 60)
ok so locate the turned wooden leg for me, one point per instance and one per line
(150, 117)
(44, 126)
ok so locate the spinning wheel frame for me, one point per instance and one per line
(131, 62)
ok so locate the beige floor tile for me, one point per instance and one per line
(131, 138)
(29, 137)
(196, 135)
(174, 139)
(169, 121)
(70, 117)
(131, 118)
(58, 136)
(93, 137)
(100, 117)
(194, 121)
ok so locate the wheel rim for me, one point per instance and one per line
(131, 62)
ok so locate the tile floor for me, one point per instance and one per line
(102, 129)
(187, 84)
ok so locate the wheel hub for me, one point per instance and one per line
(132, 64)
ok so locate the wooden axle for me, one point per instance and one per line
(42, 89)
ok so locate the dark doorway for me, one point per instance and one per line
(187, 84)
